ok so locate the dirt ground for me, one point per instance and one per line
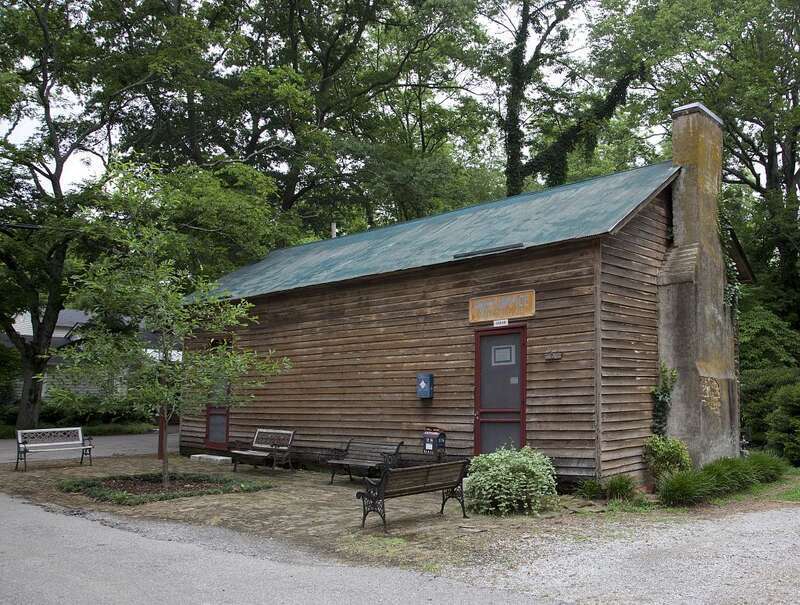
(303, 509)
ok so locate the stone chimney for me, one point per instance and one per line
(696, 331)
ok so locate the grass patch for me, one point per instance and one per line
(132, 490)
(637, 504)
(375, 547)
(8, 431)
(792, 495)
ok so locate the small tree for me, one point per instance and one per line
(190, 356)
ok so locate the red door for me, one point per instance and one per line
(499, 388)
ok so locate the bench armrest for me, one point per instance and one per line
(239, 445)
(336, 453)
(390, 459)
(88, 440)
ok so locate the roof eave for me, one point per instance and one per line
(627, 218)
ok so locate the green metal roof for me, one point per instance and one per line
(579, 210)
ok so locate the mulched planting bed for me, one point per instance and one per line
(139, 489)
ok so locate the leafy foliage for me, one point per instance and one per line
(783, 434)
(662, 398)
(770, 362)
(511, 481)
(665, 455)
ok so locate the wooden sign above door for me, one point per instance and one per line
(512, 305)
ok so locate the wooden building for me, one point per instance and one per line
(541, 318)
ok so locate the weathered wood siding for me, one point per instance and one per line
(630, 263)
(356, 347)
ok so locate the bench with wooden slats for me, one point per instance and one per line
(397, 482)
(268, 444)
(364, 456)
(52, 440)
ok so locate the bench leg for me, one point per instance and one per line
(458, 494)
(235, 463)
(24, 458)
(369, 505)
(333, 474)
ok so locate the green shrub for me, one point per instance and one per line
(511, 481)
(666, 455)
(590, 489)
(684, 488)
(767, 467)
(729, 475)
(620, 487)
(720, 478)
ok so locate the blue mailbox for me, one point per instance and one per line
(425, 385)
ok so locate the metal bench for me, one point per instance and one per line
(398, 482)
(267, 444)
(52, 440)
(365, 456)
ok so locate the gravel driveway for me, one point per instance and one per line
(751, 557)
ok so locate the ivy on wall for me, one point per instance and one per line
(662, 398)
(733, 287)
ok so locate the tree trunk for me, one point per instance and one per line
(30, 402)
(162, 439)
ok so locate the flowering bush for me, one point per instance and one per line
(511, 481)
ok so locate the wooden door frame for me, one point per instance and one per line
(218, 410)
(522, 330)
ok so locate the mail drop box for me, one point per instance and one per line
(425, 385)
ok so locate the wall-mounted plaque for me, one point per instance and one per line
(502, 306)
(552, 355)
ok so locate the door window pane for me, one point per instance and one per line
(500, 371)
(495, 435)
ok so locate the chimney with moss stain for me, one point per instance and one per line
(696, 331)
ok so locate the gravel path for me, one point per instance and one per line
(48, 558)
(751, 557)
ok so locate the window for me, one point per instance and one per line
(503, 355)
(217, 428)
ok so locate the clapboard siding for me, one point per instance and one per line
(355, 349)
(630, 262)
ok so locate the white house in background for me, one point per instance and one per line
(66, 331)
(69, 320)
